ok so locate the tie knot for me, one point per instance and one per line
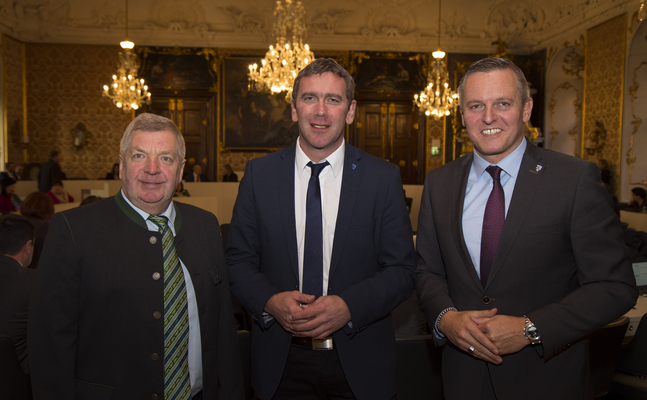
(160, 221)
(494, 171)
(317, 168)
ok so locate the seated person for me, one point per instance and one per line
(196, 176)
(114, 174)
(230, 175)
(637, 201)
(38, 208)
(180, 191)
(58, 194)
(9, 201)
(16, 281)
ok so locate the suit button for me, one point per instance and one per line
(157, 315)
(155, 356)
(486, 300)
(156, 276)
(154, 396)
(152, 240)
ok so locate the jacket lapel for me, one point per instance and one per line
(285, 182)
(525, 188)
(348, 197)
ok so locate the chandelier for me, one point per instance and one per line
(283, 61)
(437, 98)
(126, 91)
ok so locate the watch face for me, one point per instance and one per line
(532, 332)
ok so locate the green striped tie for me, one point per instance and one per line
(176, 319)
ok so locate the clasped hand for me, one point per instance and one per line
(301, 314)
(491, 335)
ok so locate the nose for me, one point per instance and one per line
(489, 114)
(320, 109)
(152, 166)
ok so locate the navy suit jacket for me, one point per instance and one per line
(561, 261)
(372, 266)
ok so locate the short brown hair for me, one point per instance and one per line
(37, 205)
(321, 65)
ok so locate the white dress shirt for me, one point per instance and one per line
(330, 183)
(195, 343)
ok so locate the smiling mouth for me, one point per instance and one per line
(319, 126)
(490, 131)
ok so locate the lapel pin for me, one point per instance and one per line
(537, 169)
(354, 166)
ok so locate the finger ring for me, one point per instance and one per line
(471, 349)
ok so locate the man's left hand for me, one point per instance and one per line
(325, 316)
(504, 331)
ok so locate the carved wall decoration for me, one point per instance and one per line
(604, 75)
(391, 19)
(244, 21)
(326, 22)
(41, 21)
(174, 16)
(577, 104)
(574, 61)
(515, 22)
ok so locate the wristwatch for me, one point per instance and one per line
(530, 332)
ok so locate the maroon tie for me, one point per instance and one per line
(493, 221)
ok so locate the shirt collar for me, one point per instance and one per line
(336, 159)
(169, 213)
(510, 164)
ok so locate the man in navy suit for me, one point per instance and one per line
(367, 250)
(517, 330)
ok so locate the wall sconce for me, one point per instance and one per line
(641, 11)
(80, 136)
(17, 138)
(595, 142)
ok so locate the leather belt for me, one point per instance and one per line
(314, 344)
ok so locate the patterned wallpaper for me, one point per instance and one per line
(603, 81)
(237, 160)
(64, 87)
(13, 65)
(435, 130)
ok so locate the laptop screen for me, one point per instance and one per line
(640, 272)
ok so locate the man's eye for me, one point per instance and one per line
(167, 159)
(138, 156)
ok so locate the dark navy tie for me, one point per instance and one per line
(493, 221)
(313, 245)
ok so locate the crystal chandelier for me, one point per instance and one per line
(437, 98)
(126, 91)
(283, 61)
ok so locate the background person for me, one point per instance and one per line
(38, 208)
(58, 193)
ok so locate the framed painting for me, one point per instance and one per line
(252, 120)
(177, 69)
(388, 72)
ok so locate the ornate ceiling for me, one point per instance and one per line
(467, 26)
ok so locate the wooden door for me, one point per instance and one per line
(390, 131)
(194, 118)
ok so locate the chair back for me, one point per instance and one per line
(419, 368)
(14, 383)
(633, 356)
(604, 346)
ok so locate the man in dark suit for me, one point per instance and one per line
(123, 281)
(16, 280)
(50, 172)
(196, 176)
(516, 312)
(340, 299)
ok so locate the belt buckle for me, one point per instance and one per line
(322, 344)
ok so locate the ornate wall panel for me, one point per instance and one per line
(13, 84)
(603, 90)
(65, 88)
(237, 160)
(435, 136)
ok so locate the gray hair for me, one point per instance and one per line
(321, 65)
(147, 122)
(491, 64)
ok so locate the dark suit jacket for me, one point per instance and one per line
(16, 285)
(560, 260)
(92, 331)
(190, 178)
(372, 267)
(49, 172)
